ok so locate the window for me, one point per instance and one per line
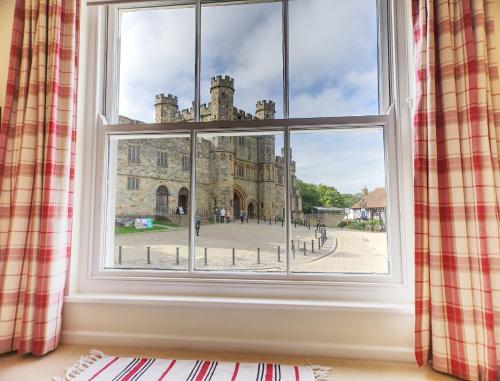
(185, 163)
(133, 154)
(240, 171)
(132, 183)
(161, 160)
(154, 207)
(287, 168)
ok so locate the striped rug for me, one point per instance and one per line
(100, 367)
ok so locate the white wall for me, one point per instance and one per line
(328, 331)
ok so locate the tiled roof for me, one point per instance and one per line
(374, 199)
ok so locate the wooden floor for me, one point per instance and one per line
(28, 368)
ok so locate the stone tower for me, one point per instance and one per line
(222, 95)
(166, 108)
(265, 157)
(265, 110)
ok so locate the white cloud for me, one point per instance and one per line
(345, 160)
(333, 70)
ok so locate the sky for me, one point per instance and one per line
(333, 72)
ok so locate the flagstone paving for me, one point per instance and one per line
(343, 250)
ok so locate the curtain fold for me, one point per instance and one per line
(457, 188)
(37, 148)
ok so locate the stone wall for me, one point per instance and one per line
(230, 169)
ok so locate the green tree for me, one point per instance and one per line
(324, 195)
(351, 199)
(310, 195)
(329, 196)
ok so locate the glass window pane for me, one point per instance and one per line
(148, 203)
(338, 203)
(240, 202)
(156, 65)
(333, 52)
(242, 64)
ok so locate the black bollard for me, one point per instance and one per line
(269, 221)
(304, 248)
(149, 255)
(177, 256)
(282, 222)
(120, 255)
(319, 243)
(279, 254)
(234, 258)
(315, 235)
(258, 255)
(312, 246)
(293, 249)
(206, 257)
(295, 224)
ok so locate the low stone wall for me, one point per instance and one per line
(326, 220)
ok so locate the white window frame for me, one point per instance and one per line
(102, 99)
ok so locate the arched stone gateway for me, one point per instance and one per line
(162, 201)
(183, 201)
(251, 210)
(237, 203)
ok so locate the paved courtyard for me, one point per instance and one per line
(257, 247)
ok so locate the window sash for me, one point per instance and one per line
(261, 126)
(386, 120)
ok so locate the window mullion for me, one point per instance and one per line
(192, 179)
(286, 142)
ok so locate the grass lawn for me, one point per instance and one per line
(157, 226)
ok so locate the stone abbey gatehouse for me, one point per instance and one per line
(237, 173)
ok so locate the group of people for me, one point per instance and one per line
(221, 215)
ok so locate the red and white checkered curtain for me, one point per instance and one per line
(457, 188)
(37, 143)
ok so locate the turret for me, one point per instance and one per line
(222, 94)
(265, 109)
(166, 108)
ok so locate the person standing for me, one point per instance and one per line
(222, 214)
(242, 217)
(198, 224)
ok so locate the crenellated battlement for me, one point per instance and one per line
(220, 81)
(266, 105)
(265, 109)
(242, 114)
(169, 99)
